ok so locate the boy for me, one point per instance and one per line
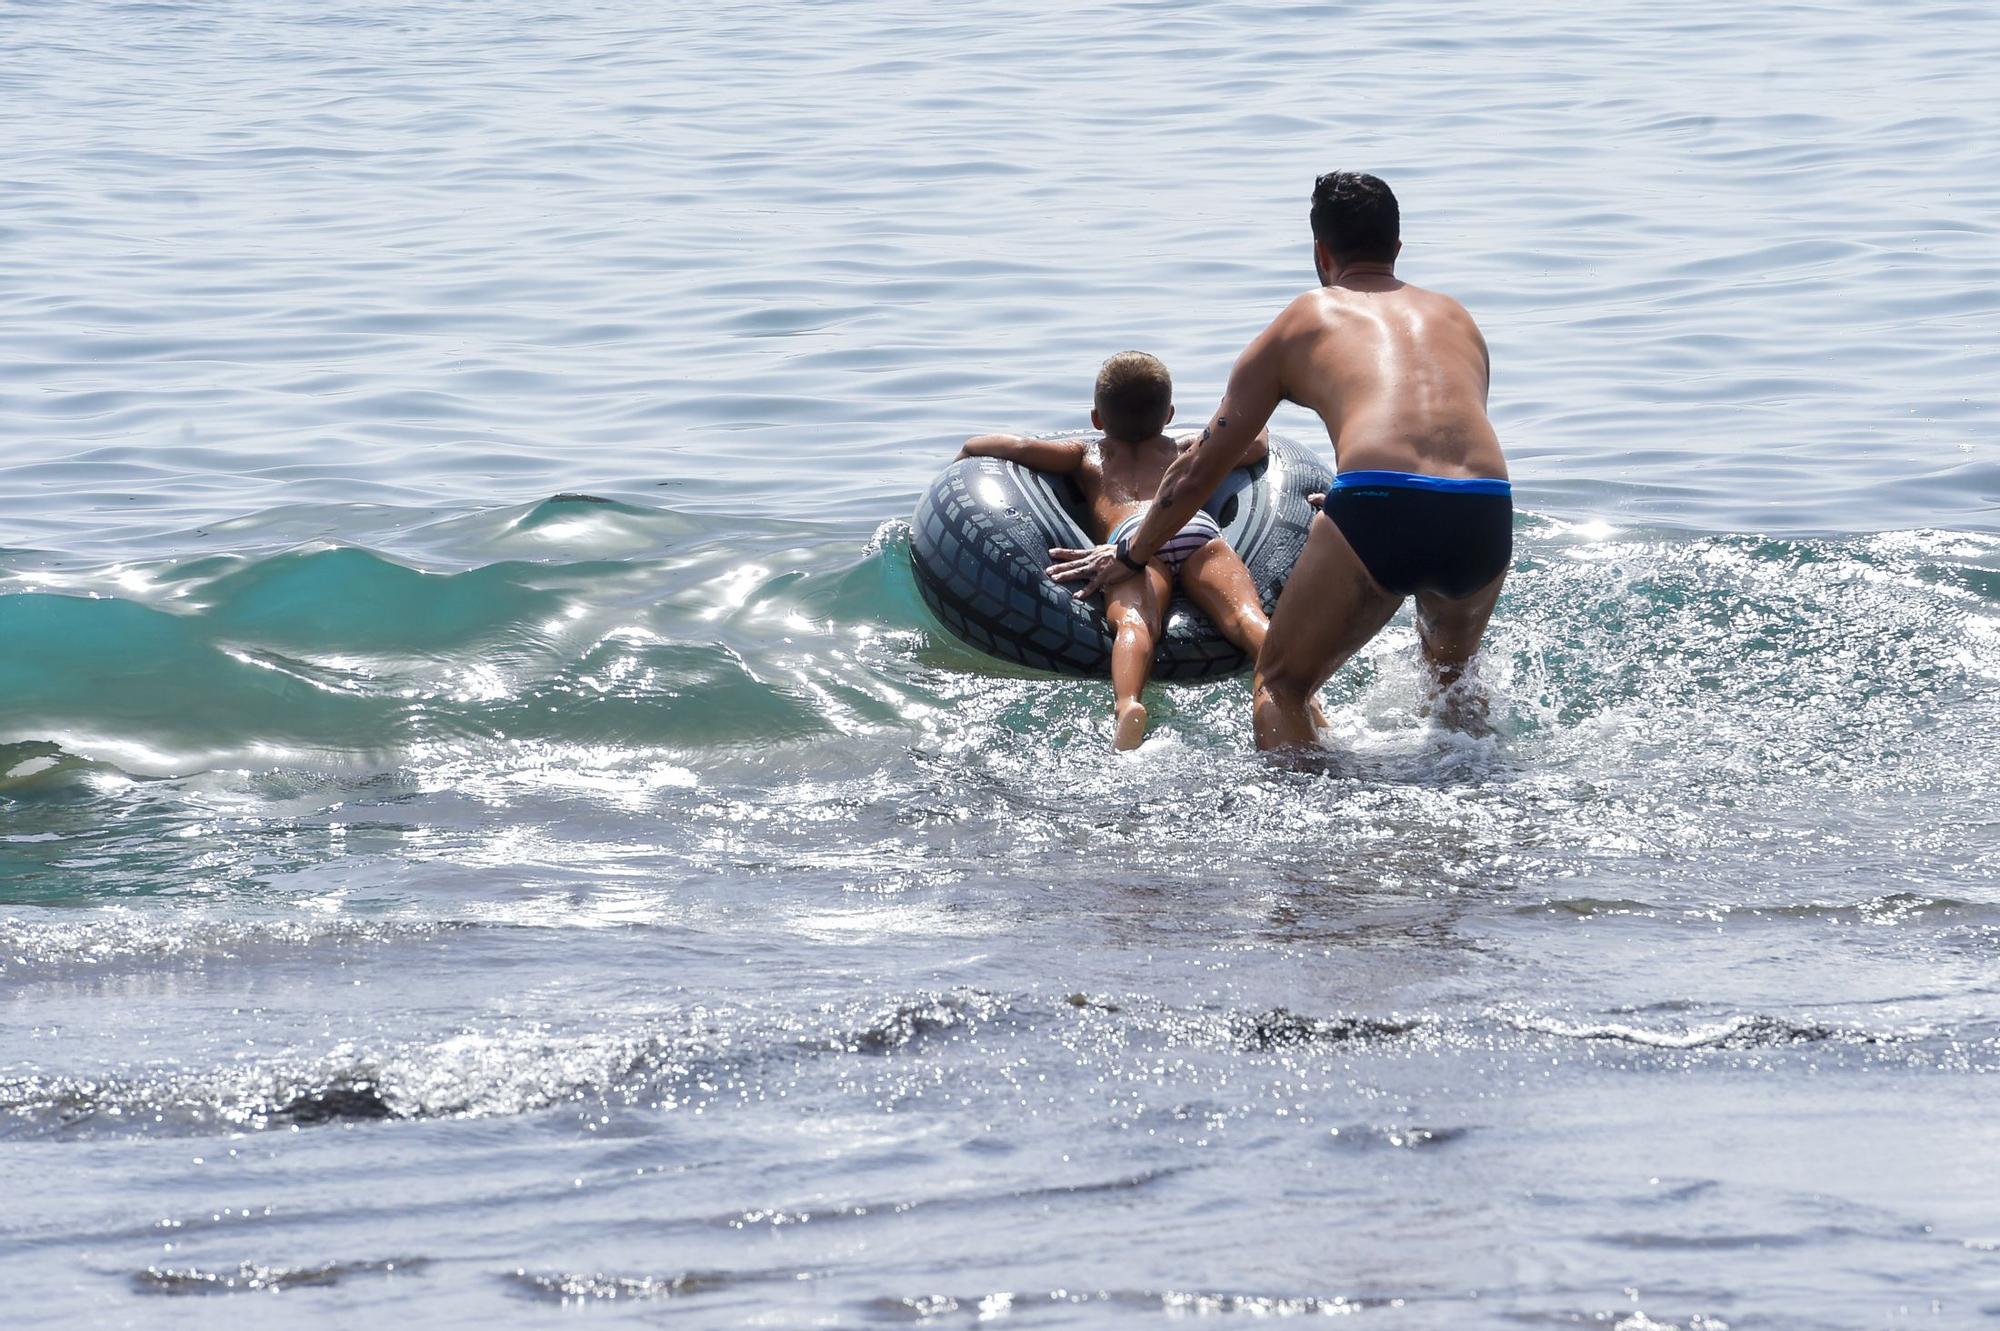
(1118, 475)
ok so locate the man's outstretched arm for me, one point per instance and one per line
(1259, 449)
(1235, 434)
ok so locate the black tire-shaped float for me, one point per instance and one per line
(981, 536)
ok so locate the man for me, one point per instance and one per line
(1421, 504)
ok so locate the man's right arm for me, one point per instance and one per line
(1236, 434)
(1259, 449)
(1256, 386)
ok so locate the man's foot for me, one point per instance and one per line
(1463, 706)
(1131, 725)
(1319, 717)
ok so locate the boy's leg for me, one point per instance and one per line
(1136, 608)
(1215, 579)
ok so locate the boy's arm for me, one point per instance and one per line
(1057, 455)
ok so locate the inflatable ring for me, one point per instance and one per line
(981, 536)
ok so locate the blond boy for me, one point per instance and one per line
(1118, 473)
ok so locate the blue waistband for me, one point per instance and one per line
(1410, 480)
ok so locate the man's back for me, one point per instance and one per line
(1398, 373)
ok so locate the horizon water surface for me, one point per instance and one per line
(487, 828)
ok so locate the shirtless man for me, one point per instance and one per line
(1118, 473)
(1421, 504)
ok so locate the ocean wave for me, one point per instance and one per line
(971, 1199)
(599, 1287)
(973, 1309)
(705, 1055)
(1280, 1029)
(718, 633)
(1751, 1031)
(118, 937)
(251, 1277)
(926, 1019)
(468, 1075)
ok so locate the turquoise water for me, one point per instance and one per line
(486, 823)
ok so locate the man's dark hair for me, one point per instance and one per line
(1135, 396)
(1355, 216)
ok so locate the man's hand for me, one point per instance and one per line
(1100, 564)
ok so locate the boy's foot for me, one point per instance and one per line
(1318, 716)
(1131, 726)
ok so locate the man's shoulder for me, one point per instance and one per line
(1323, 307)
(1304, 316)
(1442, 300)
(1315, 309)
(1309, 304)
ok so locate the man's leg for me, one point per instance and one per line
(1330, 608)
(1216, 579)
(1136, 610)
(1451, 631)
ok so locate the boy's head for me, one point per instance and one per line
(1135, 397)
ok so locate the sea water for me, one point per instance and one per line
(487, 824)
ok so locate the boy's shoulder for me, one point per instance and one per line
(1137, 448)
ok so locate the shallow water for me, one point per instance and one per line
(487, 825)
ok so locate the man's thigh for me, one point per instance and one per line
(1330, 608)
